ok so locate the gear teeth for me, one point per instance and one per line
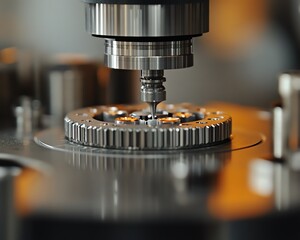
(82, 128)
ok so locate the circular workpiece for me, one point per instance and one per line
(178, 126)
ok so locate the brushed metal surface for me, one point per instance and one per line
(148, 55)
(153, 20)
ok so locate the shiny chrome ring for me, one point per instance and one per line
(149, 20)
(148, 55)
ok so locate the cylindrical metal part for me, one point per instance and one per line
(152, 89)
(278, 143)
(70, 86)
(147, 34)
(289, 89)
(8, 215)
(148, 55)
(145, 19)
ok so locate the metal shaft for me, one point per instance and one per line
(289, 89)
(152, 89)
(278, 135)
(8, 215)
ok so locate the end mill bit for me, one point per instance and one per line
(152, 89)
(153, 107)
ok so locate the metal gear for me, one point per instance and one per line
(177, 126)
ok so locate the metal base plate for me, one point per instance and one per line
(208, 158)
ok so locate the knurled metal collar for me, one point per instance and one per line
(178, 126)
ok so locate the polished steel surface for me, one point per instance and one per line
(152, 89)
(153, 20)
(146, 161)
(148, 55)
(289, 89)
(86, 127)
(278, 138)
